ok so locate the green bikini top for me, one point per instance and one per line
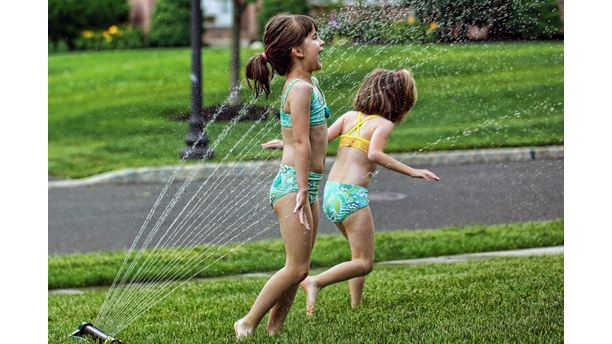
(319, 111)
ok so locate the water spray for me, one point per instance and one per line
(89, 330)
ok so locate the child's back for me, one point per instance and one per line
(352, 164)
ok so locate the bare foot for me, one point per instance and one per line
(273, 332)
(271, 328)
(241, 330)
(311, 294)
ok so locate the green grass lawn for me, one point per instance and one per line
(111, 110)
(499, 300)
(99, 269)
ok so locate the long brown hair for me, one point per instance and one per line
(283, 32)
(387, 93)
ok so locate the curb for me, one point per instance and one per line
(203, 171)
(535, 251)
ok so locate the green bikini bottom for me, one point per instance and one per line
(341, 200)
(286, 182)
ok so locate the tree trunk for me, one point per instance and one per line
(234, 99)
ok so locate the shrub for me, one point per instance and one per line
(403, 32)
(171, 24)
(534, 19)
(274, 7)
(373, 28)
(115, 37)
(506, 19)
(57, 46)
(454, 17)
(68, 18)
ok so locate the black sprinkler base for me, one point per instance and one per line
(89, 330)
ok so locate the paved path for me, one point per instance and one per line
(105, 217)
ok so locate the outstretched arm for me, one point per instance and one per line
(376, 154)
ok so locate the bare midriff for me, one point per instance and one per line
(318, 147)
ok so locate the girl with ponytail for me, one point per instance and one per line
(292, 49)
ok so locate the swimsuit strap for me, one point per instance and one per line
(359, 123)
(284, 98)
(320, 94)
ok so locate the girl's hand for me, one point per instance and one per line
(426, 174)
(300, 203)
(273, 144)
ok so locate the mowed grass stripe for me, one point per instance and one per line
(105, 99)
(99, 269)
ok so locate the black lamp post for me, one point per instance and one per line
(196, 140)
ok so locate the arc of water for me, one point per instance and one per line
(214, 173)
(170, 292)
(181, 228)
(162, 294)
(169, 207)
(161, 221)
(125, 273)
(150, 215)
(199, 238)
(195, 195)
(194, 240)
(156, 256)
(188, 268)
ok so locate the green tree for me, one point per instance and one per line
(274, 7)
(171, 24)
(238, 8)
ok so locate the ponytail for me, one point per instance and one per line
(258, 71)
(282, 33)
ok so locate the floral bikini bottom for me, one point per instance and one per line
(286, 182)
(341, 200)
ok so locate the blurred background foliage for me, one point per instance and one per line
(104, 24)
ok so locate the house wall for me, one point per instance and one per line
(217, 19)
(141, 13)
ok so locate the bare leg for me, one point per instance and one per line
(316, 214)
(298, 246)
(356, 290)
(359, 230)
(279, 312)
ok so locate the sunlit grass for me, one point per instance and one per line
(110, 110)
(500, 300)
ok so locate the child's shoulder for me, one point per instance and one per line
(382, 122)
(349, 115)
(300, 88)
(378, 121)
(376, 118)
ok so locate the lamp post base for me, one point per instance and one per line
(197, 153)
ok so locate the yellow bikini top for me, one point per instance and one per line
(356, 141)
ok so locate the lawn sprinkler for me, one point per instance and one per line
(89, 330)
